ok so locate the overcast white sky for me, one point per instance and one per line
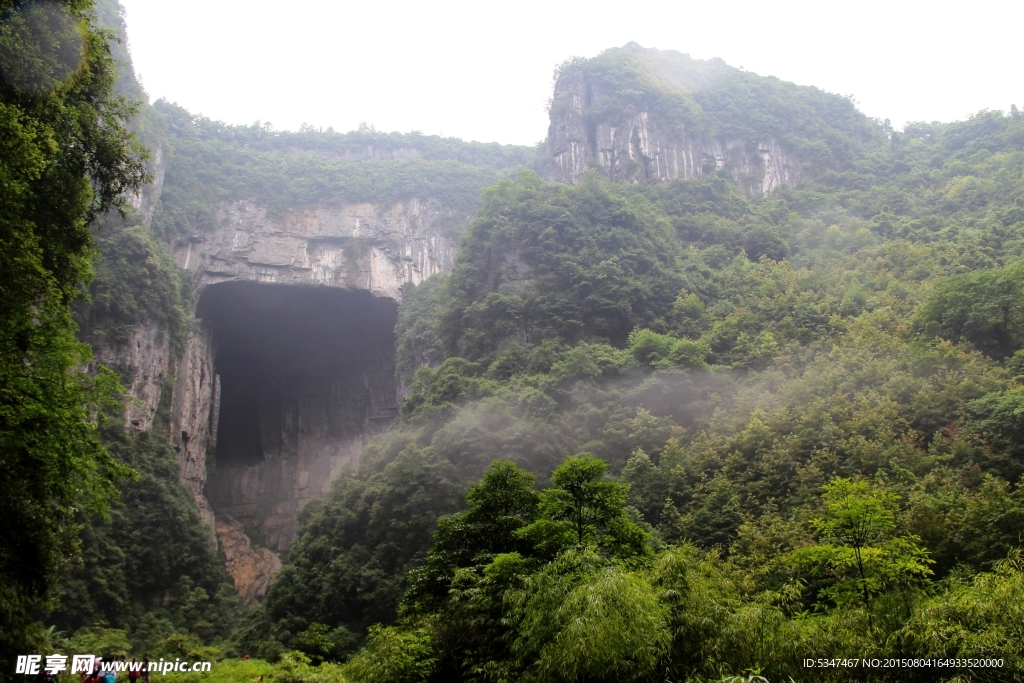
(482, 71)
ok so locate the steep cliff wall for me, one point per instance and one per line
(643, 146)
(643, 115)
(143, 363)
(143, 360)
(192, 402)
(290, 365)
(144, 201)
(305, 376)
(359, 246)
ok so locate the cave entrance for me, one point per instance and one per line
(303, 376)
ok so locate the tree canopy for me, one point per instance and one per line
(66, 159)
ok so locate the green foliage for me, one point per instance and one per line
(981, 616)
(499, 506)
(149, 568)
(983, 307)
(650, 348)
(348, 565)
(392, 655)
(210, 164)
(100, 641)
(582, 619)
(293, 667)
(662, 350)
(322, 643)
(709, 99)
(583, 508)
(185, 646)
(756, 386)
(418, 344)
(739, 368)
(557, 262)
(857, 549)
(135, 282)
(65, 158)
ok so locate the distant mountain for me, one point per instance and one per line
(640, 114)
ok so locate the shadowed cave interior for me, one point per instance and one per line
(304, 374)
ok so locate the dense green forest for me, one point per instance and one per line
(211, 163)
(66, 159)
(702, 435)
(706, 99)
(652, 432)
(142, 574)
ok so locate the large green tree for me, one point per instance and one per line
(858, 551)
(66, 158)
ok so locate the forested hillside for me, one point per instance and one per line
(650, 431)
(703, 434)
(147, 577)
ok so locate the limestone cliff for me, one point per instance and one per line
(644, 146)
(359, 246)
(314, 404)
(250, 567)
(191, 408)
(304, 376)
(289, 363)
(144, 201)
(642, 115)
(143, 363)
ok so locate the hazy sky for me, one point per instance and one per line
(483, 70)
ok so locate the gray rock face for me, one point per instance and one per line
(144, 201)
(639, 148)
(286, 386)
(144, 359)
(191, 409)
(307, 419)
(355, 246)
(304, 376)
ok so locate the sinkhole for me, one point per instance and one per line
(303, 375)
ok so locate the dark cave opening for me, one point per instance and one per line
(303, 373)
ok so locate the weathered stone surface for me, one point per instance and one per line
(356, 246)
(144, 201)
(349, 247)
(144, 362)
(251, 567)
(306, 376)
(191, 413)
(640, 148)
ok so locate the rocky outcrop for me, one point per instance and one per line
(356, 246)
(144, 201)
(191, 411)
(250, 567)
(292, 412)
(350, 247)
(143, 364)
(638, 147)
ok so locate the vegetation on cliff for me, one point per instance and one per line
(701, 100)
(65, 159)
(652, 432)
(211, 163)
(810, 401)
